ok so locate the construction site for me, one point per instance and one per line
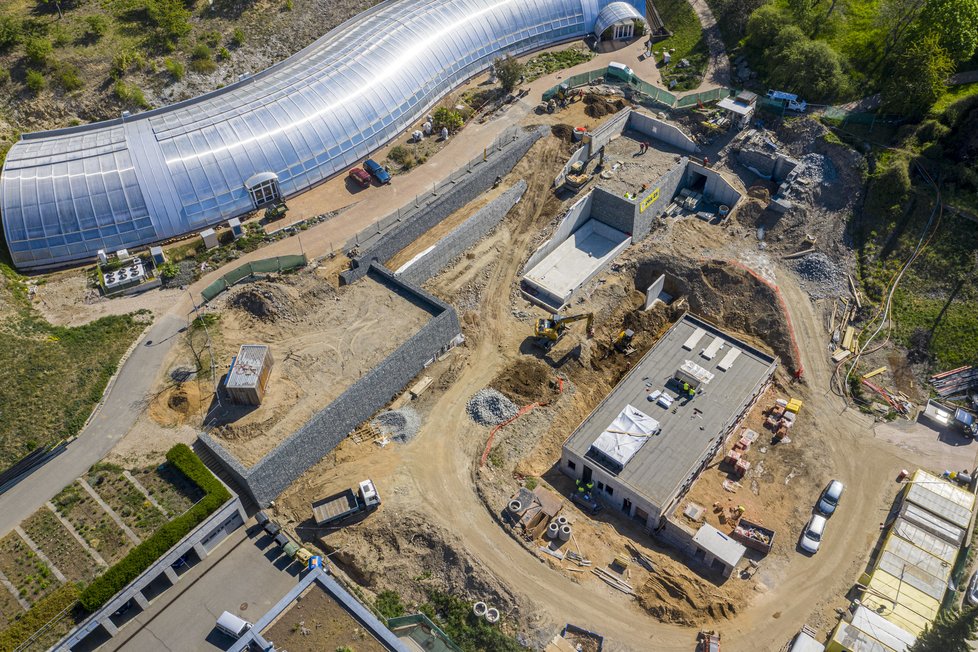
(589, 378)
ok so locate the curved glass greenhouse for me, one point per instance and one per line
(66, 194)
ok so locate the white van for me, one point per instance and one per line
(232, 625)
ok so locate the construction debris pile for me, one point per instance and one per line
(398, 425)
(489, 407)
(820, 276)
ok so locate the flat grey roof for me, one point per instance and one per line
(667, 459)
(719, 545)
(247, 366)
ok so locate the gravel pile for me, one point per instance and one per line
(489, 408)
(400, 425)
(820, 276)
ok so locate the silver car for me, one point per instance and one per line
(811, 537)
(830, 498)
(971, 597)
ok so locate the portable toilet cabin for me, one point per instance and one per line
(209, 237)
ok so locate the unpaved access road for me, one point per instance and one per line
(805, 591)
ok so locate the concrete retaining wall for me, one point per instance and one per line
(667, 186)
(667, 133)
(769, 166)
(581, 154)
(717, 188)
(609, 130)
(462, 237)
(450, 199)
(576, 216)
(615, 211)
(325, 430)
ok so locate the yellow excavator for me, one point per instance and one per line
(549, 331)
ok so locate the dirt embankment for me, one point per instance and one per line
(729, 296)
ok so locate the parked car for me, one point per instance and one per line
(811, 538)
(232, 625)
(377, 171)
(971, 597)
(830, 498)
(360, 177)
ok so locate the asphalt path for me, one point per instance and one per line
(123, 403)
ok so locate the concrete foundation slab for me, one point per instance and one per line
(573, 263)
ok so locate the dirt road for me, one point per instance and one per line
(718, 69)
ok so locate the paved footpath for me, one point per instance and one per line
(125, 401)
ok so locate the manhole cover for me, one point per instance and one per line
(243, 607)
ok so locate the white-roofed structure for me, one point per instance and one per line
(137, 180)
(718, 550)
(625, 436)
(867, 631)
(618, 19)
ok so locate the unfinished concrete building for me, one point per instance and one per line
(636, 186)
(645, 444)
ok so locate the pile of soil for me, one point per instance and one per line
(683, 600)
(176, 405)
(599, 106)
(263, 301)
(528, 380)
(564, 132)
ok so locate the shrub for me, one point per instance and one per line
(175, 68)
(445, 117)
(130, 95)
(146, 553)
(508, 70)
(4, 76)
(403, 156)
(237, 37)
(38, 49)
(211, 38)
(40, 614)
(125, 61)
(223, 54)
(168, 270)
(10, 32)
(200, 59)
(467, 630)
(170, 20)
(389, 604)
(288, 5)
(96, 26)
(35, 81)
(68, 77)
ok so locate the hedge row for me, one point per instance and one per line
(39, 615)
(146, 553)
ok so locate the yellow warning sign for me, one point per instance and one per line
(648, 201)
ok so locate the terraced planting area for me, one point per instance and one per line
(9, 607)
(60, 547)
(90, 521)
(170, 488)
(126, 500)
(25, 570)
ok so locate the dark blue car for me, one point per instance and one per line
(376, 171)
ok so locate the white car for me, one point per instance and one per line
(811, 537)
(830, 498)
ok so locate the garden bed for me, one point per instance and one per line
(125, 499)
(90, 521)
(25, 570)
(170, 488)
(60, 547)
(10, 609)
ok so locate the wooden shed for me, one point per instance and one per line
(247, 379)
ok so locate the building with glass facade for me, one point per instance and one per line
(66, 194)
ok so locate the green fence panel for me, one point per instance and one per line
(424, 621)
(264, 266)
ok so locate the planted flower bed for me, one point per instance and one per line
(126, 500)
(92, 523)
(169, 487)
(61, 549)
(25, 570)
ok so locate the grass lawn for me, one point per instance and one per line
(953, 94)
(54, 375)
(955, 339)
(688, 42)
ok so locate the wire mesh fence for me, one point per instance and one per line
(264, 266)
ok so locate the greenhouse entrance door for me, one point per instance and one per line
(624, 31)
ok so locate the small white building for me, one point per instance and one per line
(740, 109)
(209, 237)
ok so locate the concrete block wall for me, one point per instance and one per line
(326, 429)
(615, 211)
(668, 185)
(581, 154)
(462, 237)
(767, 165)
(667, 133)
(609, 130)
(467, 188)
(576, 215)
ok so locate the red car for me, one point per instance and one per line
(361, 177)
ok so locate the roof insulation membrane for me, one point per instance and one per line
(161, 174)
(941, 497)
(626, 435)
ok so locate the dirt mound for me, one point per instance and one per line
(563, 132)
(527, 380)
(263, 301)
(729, 296)
(684, 600)
(176, 405)
(391, 551)
(599, 106)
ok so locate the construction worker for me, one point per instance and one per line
(685, 388)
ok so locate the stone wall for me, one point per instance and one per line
(451, 198)
(615, 211)
(667, 186)
(325, 430)
(462, 237)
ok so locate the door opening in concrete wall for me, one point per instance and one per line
(640, 515)
(697, 182)
(586, 474)
(626, 506)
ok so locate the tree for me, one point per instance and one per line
(950, 632)
(509, 71)
(955, 22)
(805, 66)
(449, 118)
(38, 50)
(96, 26)
(917, 78)
(763, 29)
(171, 22)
